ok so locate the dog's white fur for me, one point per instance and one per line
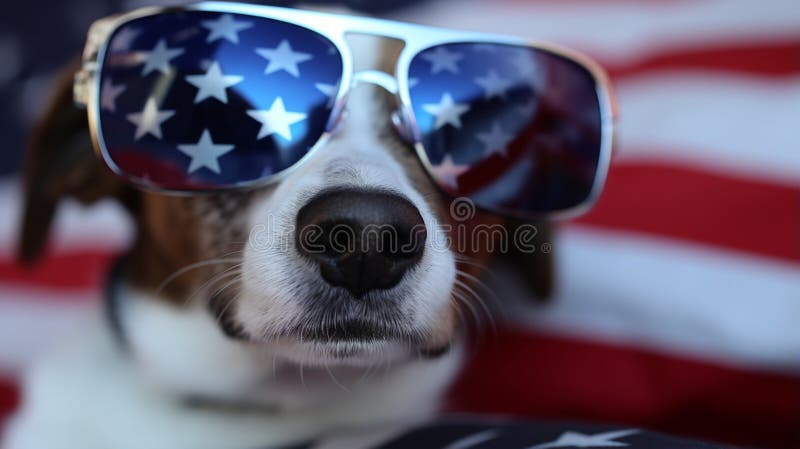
(90, 394)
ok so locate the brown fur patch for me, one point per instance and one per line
(175, 232)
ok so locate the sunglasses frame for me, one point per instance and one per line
(336, 27)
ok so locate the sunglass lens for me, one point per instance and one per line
(202, 100)
(513, 128)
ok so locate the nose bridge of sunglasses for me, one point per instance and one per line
(376, 58)
(386, 82)
(377, 78)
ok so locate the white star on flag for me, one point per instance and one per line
(213, 84)
(496, 140)
(442, 59)
(329, 90)
(159, 57)
(447, 111)
(150, 119)
(124, 38)
(276, 120)
(447, 172)
(226, 27)
(575, 439)
(205, 153)
(493, 85)
(108, 95)
(283, 58)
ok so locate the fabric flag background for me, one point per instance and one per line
(678, 304)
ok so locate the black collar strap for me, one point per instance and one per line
(112, 301)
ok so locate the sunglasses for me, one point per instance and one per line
(219, 96)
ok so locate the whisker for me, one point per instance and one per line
(483, 286)
(228, 305)
(230, 272)
(461, 299)
(365, 376)
(461, 259)
(460, 303)
(302, 377)
(335, 380)
(461, 317)
(194, 266)
(474, 295)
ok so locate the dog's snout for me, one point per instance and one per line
(362, 240)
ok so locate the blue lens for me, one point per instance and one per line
(513, 128)
(201, 100)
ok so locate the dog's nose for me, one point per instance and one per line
(362, 240)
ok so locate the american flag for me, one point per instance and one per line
(678, 296)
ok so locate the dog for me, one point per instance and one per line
(219, 333)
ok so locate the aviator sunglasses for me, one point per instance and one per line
(218, 96)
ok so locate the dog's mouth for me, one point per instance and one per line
(334, 330)
(352, 342)
(358, 341)
(353, 330)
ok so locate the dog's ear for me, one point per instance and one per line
(59, 163)
(527, 246)
(536, 263)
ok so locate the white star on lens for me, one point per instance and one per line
(447, 111)
(495, 141)
(226, 27)
(205, 153)
(493, 85)
(575, 439)
(447, 172)
(159, 57)
(413, 82)
(108, 95)
(150, 119)
(213, 84)
(124, 39)
(283, 58)
(329, 90)
(276, 120)
(442, 59)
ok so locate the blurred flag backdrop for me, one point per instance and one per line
(678, 304)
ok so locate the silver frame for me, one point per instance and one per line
(336, 27)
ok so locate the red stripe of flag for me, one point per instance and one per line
(544, 377)
(9, 399)
(685, 203)
(79, 270)
(777, 58)
(654, 198)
